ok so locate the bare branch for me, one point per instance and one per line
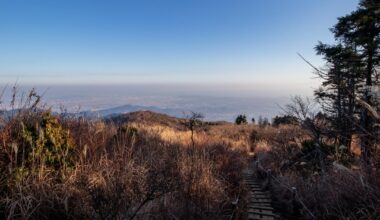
(320, 72)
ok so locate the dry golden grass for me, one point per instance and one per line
(147, 166)
(117, 170)
(343, 192)
(235, 136)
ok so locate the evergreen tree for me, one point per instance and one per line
(361, 31)
(338, 90)
(241, 119)
(351, 74)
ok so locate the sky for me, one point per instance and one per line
(239, 43)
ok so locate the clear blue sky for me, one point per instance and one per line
(163, 41)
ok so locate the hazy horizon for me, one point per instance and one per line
(169, 54)
(216, 102)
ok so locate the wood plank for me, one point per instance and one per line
(259, 197)
(256, 187)
(262, 204)
(255, 190)
(260, 207)
(260, 217)
(258, 200)
(258, 193)
(263, 212)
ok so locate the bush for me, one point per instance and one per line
(37, 139)
(241, 119)
(284, 120)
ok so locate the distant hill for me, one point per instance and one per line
(151, 118)
(156, 118)
(110, 112)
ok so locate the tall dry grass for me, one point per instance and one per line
(343, 192)
(61, 167)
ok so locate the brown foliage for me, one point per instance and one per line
(343, 192)
(115, 170)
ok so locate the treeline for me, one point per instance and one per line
(264, 121)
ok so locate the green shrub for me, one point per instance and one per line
(241, 119)
(47, 143)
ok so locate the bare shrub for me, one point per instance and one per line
(53, 164)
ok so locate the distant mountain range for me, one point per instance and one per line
(212, 111)
(213, 108)
(110, 112)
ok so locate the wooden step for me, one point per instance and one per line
(261, 211)
(259, 197)
(259, 193)
(262, 204)
(260, 207)
(270, 213)
(263, 192)
(260, 217)
(256, 189)
(252, 181)
(259, 200)
(254, 185)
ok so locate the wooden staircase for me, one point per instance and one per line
(259, 200)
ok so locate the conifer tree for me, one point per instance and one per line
(352, 65)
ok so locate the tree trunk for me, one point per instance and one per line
(365, 121)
